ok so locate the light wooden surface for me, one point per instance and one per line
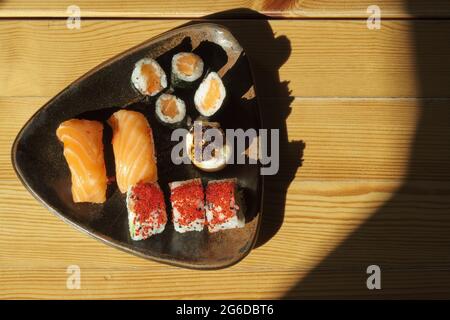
(197, 8)
(372, 189)
(323, 62)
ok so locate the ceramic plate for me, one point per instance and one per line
(38, 159)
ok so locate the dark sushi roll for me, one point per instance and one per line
(220, 153)
(210, 95)
(170, 110)
(187, 67)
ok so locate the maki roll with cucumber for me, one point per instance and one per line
(146, 210)
(187, 67)
(170, 110)
(210, 95)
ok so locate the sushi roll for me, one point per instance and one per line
(134, 149)
(83, 150)
(148, 77)
(187, 200)
(223, 205)
(146, 210)
(204, 161)
(187, 67)
(169, 109)
(210, 95)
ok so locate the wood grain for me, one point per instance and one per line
(134, 284)
(345, 139)
(374, 182)
(325, 204)
(313, 58)
(196, 9)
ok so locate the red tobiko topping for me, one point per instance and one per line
(148, 199)
(221, 201)
(188, 200)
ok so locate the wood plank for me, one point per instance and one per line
(318, 216)
(136, 284)
(324, 204)
(196, 9)
(344, 139)
(307, 58)
(319, 231)
(185, 284)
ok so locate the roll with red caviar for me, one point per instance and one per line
(187, 198)
(224, 208)
(146, 210)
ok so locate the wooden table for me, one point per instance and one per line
(367, 111)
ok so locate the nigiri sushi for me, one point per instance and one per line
(187, 200)
(187, 67)
(210, 95)
(83, 150)
(223, 205)
(134, 149)
(146, 210)
(148, 77)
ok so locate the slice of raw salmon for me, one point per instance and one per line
(83, 150)
(134, 150)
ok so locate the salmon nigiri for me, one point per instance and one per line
(83, 150)
(134, 150)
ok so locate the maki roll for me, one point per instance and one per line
(170, 109)
(223, 205)
(217, 156)
(187, 67)
(210, 95)
(187, 199)
(146, 210)
(148, 77)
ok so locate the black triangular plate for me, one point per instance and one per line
(38, 159)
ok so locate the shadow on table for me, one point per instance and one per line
(409, 236)
(267, 54)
